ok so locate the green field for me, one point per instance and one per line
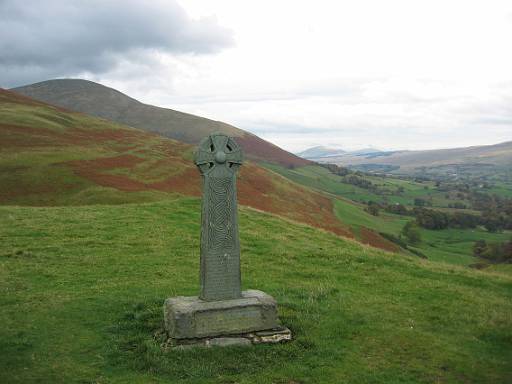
(447, 245)
(320, 178)
(502, 189)
(83, 287)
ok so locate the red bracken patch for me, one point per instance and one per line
(260, 189)
(187, 183)
(375, 240)
(92, 170)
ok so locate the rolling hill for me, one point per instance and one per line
(479, 157)
(101, 101)
(320, 152)
(52, 156)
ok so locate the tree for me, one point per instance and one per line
(479, 248)
(418, 202)
(431, 219)
(397, 208)
(373, 208)
(495, 252)
(411, 232)
(493, 223)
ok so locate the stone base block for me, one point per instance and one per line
(271, 336)
(192, 318)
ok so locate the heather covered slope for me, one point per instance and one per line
(98, 100)
(50, 156)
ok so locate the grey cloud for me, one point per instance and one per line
(64, 38)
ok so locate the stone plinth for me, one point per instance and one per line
(193, 318)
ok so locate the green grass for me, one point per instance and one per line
(502, 189)
(317, 177)
(452, 246)
(356, 216)
(83, 287)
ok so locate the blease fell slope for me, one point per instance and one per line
(101, 101)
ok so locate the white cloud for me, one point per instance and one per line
(63, 38)
(392, 74)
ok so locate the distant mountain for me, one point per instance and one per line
(319, 152)
(443, 160)
(364, 151)
(101, 101)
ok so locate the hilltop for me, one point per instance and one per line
(51, 156)
(101, 101)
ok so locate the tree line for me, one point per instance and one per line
(495, 252)
(435, 219)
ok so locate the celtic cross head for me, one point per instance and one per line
(218, 153)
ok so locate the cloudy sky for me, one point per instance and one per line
(389, 74)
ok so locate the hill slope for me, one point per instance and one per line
(98, 100)
(83, 287)
(51, 156)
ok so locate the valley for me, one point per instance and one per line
(86, 160)
(452, 245)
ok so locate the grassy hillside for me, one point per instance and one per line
(449, 245)
(98, 100)
(315, 176)
(83, 289)
(51, 156)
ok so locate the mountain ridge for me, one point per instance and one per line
(320, 151)
(101, 101)
(408, 161)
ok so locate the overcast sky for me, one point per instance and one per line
(388, 74)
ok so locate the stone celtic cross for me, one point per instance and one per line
(223, 314)
(218, 158)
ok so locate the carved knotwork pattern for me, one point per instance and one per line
(218, 158)
(220, 207)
